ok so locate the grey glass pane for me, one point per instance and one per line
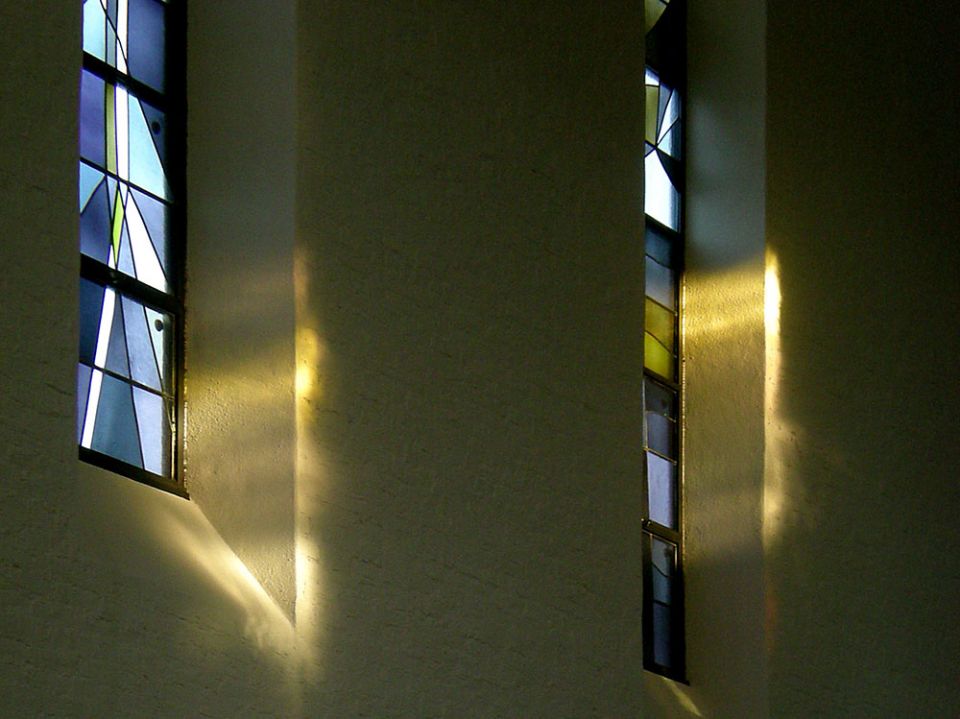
(660, 434)
(660, 399)
(662, 635)
(658, 246)
(115, 433)
(661, 284)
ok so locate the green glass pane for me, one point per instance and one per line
(652, 102)
(660, 322)
(656, 358)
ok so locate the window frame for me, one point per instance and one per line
(172, 102)
(665, 55)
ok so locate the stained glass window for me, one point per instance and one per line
(131, 238)
(663, 237)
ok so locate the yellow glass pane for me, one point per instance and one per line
(656, 357)
(653, 9)
(652, 102)
(660, 323)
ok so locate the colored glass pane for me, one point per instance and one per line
(660, 283)
(659, 246)
(656, 357)
(661, 199)
(661, 490)
(660, 323)
(146, 35)
(653, 9)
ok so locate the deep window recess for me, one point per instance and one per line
(131, 182)
(663, 631)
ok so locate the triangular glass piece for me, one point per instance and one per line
(115, 432)
(95, 225)
(154, 214)
(90, 180)
(146, 170)
(154, 433)
(117, 350)
(145, 258)
(143, 363)
(158, 325)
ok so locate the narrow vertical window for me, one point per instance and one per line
(663, 208)
(131, 239)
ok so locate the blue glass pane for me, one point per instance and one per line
(95, 225)
(117, 349)
(83, 390)
(91, 306)
(662, 630)
(658, 246)
(90, 180)
(660, 434)
(143, 362)
(125, 261)
(115, 431)
(154, 431)
(663, 561)
(146, 42)
(92, 118)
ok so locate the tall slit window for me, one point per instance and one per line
(663, 624)
(131, 181)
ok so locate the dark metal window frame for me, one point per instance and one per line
(666, 56)
(173, 104)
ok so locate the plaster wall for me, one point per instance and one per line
(862, 569)
(467, 260)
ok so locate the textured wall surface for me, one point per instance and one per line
(864, 567)
(417, 447)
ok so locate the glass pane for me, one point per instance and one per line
(661, 490)
(83, 391)
(659, 399)
(661, 434)
(658, 246)
(661, 283)
(94, 29)
(660, 322)
(653, 9)
(115, 430)
(661, 199)
(146, 41)
(663, 559)
(92, 90)
(662, 635)
(656, 358)
(153, 424)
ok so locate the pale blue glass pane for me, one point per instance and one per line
(161, 325)
(154, 214)
(660, 284)
(146, 169)
(92, 131)
(661, 490)
(90, 180)
(661, 199)
(83, 390)
(670, 142)
(115, 431)
(94, 27)
(146, 42)
(143, 362)
(154, 431)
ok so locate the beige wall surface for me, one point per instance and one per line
(863, 552)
